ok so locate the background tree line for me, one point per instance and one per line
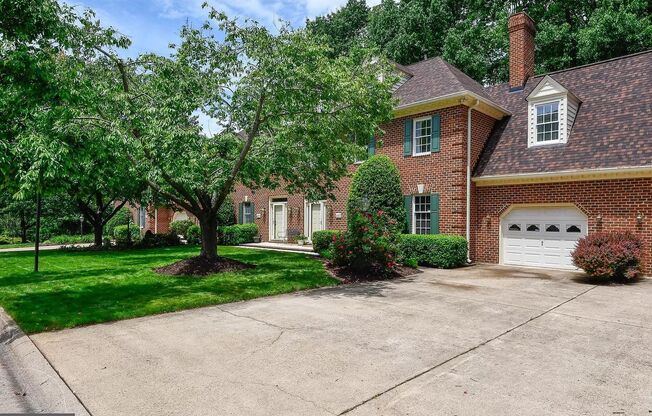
(472, 35)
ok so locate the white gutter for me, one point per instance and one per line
(468, 180)
(460, 94)
(561, 175)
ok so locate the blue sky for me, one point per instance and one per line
(153, 24)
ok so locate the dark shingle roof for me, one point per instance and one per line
(612, 129)
(435, 78)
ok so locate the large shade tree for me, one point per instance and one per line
(290, 114)
(45, 48)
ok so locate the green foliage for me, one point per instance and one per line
(369, 245)
(181, 227)
(121, 234)
(232, 235)
(438, 250)
(193, 234)
(122, 217)
(70, 239)
(473, 35)
(322, 240)
(158, 240)
(5, 239)
(226, 213)
(342, 29)
(376, 186)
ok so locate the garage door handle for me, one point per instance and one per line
(541, 243)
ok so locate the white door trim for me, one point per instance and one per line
(307, 217)
(272, 230)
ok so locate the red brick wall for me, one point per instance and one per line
(521, 49)
(617, 201)
(443, 172)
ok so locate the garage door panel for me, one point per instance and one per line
(550, 246)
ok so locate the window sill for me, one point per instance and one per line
(548, 143)
(421, 154)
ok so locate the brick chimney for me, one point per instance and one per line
(521, 49)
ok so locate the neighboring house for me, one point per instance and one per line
(522, 169)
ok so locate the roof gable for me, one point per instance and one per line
(549, 88)
(612, 127)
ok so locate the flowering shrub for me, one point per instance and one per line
(609, 255)
(370, 244)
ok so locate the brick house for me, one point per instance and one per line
(522, 169)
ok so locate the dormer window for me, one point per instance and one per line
(551, 113)
(548, 122)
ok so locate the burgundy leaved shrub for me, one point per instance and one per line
(615, 255)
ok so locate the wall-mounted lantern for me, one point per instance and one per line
(420, 188)
(639, 218)
(598, 219)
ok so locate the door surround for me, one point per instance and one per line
(274, 202)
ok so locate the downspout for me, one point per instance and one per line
(468, 180)
(156, 221)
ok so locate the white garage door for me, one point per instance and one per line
(541, 237)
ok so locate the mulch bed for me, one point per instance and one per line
(346, 275)
(200, 266)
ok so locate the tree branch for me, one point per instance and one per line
(218, 199)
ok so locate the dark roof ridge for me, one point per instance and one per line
(559, 71)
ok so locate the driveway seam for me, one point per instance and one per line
(475, 347)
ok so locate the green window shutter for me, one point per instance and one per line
(407, 137)
(434, 213)
(408, 213)
(240, 211)
(252, 214)
(371, 148)
(435, 133)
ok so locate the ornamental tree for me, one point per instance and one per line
(289, 114)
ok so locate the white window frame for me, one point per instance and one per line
(142, 217)
(549, 91)
(414, 136)
(414, 212)
(246, 205)
(537, 124)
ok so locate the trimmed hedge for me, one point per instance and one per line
(70, 239)
(376, 187)
(615, 255)
(322, 240)
(232, 235)
(122, 217)
(434, 250)
(181, 227)
(159, 240)
(120, 234)
(193, 234)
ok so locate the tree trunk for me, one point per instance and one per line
(208, 225)
(98, 231)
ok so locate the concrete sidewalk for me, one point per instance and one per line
(482, 340)
(28, 383)
(55, 247)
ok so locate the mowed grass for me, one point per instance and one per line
(77, 288)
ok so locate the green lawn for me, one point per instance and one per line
(76, 288)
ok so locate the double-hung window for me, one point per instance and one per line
(142, 217)
(247, 213)
(422, 136)
(547, 122)
(421, 214)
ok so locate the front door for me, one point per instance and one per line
(316, 218)
(279, 224)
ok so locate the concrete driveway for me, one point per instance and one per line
(484, 340)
